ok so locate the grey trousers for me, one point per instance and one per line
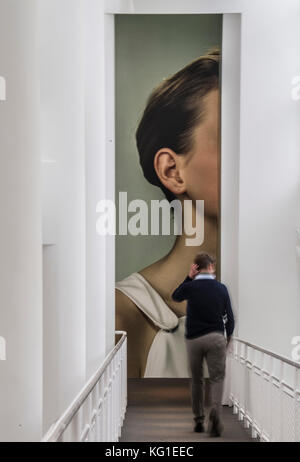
(212, 347)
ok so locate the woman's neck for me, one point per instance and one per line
(180, 257)
(167, 273)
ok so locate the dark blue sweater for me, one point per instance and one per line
(208, 304)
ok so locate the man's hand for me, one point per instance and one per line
(193, 270)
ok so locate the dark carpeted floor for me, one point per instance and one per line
(160, 410)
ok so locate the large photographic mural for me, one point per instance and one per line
(167, 173)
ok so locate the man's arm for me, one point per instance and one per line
(181, 292)
(229, 326)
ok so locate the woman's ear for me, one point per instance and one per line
(168, 166)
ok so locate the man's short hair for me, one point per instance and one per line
(203, 260)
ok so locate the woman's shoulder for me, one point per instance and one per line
(127, 280)
(125, 303)
(128, 313)
(124, 288)
(140, 332)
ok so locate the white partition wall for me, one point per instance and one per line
(62, 63)
(20, 205)
(230, 156)
(109, 107)
(100, 181)
(77, 101)
(269, 279)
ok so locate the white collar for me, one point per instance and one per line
(205, 276)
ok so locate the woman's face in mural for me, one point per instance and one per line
(200, 167)
(194, 175)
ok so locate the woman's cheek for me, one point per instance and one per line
(202, 184)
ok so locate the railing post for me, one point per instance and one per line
(268, 397)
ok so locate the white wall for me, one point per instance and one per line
(99, 145)
(63, 142)
(269, 175)
(230, 141)
(79, 140)
(57, 148)
(109, 149)
(20, 241)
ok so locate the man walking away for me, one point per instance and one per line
(208, 305)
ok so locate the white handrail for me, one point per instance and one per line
(265, 391)
(269, 352)
(97, 412)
